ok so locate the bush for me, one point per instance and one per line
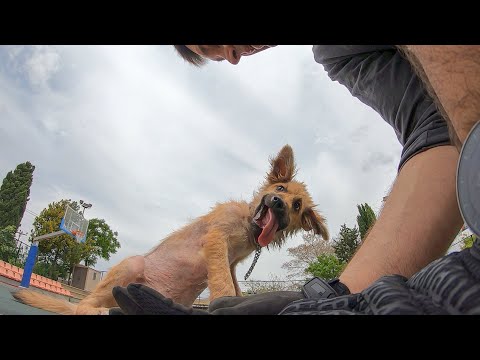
(327, 266)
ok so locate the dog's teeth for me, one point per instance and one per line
(260, 213)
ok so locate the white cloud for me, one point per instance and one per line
(39, 63)
(153, 142)
(43, 63)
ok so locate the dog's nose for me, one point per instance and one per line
(277, 203)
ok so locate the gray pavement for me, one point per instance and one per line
(10, 306)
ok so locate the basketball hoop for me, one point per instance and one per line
(74, 224)
(78, 234)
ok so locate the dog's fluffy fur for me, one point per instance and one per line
(206, 251)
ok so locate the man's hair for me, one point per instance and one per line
(189, 56)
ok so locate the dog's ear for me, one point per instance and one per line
(311, 220)
(283, 167)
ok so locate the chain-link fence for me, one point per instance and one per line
(251, 287)
(13, 251)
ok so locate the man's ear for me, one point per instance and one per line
(311, 220)
(283, 166)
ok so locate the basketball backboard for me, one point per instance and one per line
(74, 224)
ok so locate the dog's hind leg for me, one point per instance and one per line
(128, 271)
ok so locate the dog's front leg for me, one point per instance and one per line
(238, 291)
(220, 282)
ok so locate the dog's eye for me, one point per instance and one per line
(280, 188)
(297, 205)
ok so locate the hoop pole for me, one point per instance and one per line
(29, 264)
(32, 256)
(46, 236)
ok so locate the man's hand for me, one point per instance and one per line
(138, 299)
(270, 303)
(449, 285)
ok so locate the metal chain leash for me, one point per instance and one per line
(255, 258)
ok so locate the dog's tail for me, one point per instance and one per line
(45, 302)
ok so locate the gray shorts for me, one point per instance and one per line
(379, 76)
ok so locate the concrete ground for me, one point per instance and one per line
(10, 306)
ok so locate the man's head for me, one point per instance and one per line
(198, 55)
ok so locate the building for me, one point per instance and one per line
(85, 278)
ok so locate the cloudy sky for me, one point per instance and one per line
(152, 142)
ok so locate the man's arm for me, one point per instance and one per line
(420, 217)
(418, 222)
(453, 74)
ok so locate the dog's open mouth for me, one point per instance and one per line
(266, 220)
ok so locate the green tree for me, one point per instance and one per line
(53, 251)
(346, 243)
(14, 195)
(365, 219)
(101, 242)
(61, 253)
(327, 266)
(306, 253)
(74, 254)
(8, 247)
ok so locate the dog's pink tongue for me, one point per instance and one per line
(269, 230)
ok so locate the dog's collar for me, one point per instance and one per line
(255, 258)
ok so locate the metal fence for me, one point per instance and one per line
(252, 287)
(14, 251)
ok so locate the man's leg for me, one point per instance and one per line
(417, 224)
(453, 73)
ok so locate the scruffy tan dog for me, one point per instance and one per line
(206, 251)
